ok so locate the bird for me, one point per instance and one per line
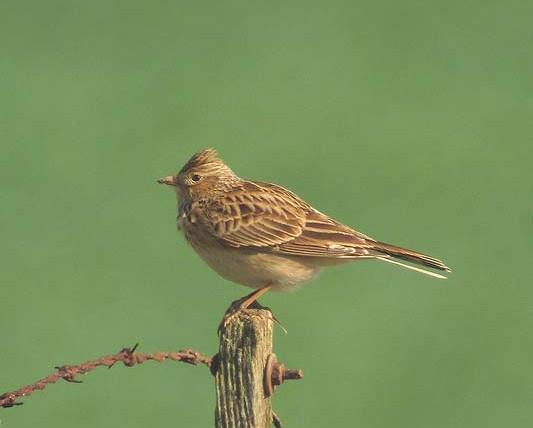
(264, 236)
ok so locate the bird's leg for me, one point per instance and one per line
(250, 300)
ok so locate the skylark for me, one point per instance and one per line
(265, 237)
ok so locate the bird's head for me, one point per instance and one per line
(203, 174)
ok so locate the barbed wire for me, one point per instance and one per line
(127, 356)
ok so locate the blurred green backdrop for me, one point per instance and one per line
(421, 112)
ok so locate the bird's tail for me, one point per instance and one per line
(392, 252)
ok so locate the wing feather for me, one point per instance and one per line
(257, 216)
(271, 218)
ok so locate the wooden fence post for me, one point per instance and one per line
(239, 367)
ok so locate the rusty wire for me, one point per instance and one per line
(127, 356)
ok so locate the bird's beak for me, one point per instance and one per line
(169, 180)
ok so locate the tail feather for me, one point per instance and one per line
(410, 256)
(405, 265)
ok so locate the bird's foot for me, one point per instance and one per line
(248, 301)
(237, 307)
(257, 305)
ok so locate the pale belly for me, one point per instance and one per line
(256, 269)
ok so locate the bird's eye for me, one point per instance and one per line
(196, 178)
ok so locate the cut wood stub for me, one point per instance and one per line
(245, 344)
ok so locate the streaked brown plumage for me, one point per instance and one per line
(264, 236)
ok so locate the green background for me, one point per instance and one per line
(411, 121)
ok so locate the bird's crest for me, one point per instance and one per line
(206, 160)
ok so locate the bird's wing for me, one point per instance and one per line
(324, 237)
(256, 215)
(272, 218)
